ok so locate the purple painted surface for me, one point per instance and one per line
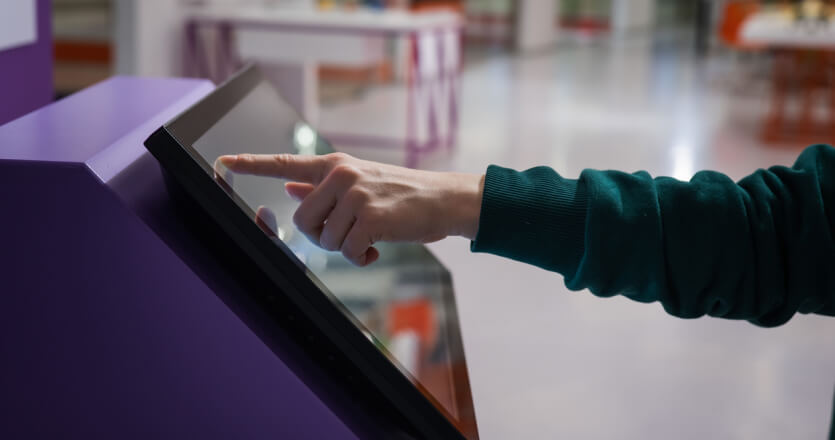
(85, 125)
(106, 328)
(106, 333)
(26, 71)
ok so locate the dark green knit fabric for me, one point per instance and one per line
(761, 249)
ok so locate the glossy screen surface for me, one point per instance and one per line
(403, 303)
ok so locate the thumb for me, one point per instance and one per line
(298, 191)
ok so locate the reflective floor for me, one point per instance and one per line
(549, 363)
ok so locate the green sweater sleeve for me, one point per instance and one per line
(760, 249)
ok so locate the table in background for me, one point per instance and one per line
(292, 43)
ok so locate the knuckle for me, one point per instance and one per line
(369, 215)
(358, 196)
(345, 173)
(337, 158)
(281, 159)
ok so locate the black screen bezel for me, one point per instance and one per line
(172, 146)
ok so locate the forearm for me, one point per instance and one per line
(760, 250)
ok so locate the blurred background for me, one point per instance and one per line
(409, 77)
(667, 86)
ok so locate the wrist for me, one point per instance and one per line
(463, 204)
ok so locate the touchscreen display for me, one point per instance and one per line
(403, 302)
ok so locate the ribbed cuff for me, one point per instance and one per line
(534, 216)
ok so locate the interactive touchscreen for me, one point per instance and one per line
(403, 303)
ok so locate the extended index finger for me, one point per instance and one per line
(309, 169)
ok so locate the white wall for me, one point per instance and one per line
(18, 23)
(630, 15)
(148, 37)
(535, 28)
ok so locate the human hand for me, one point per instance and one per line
(348, 204)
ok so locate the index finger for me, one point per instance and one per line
(309, 169)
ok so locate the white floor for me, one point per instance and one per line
(548, 363)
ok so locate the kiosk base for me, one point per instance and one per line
(96, 342)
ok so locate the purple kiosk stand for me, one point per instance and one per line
(114, 321)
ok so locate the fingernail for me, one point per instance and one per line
(223, 175)
(228, 177)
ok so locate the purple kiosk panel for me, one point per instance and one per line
(26, 71)
(96, 342)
